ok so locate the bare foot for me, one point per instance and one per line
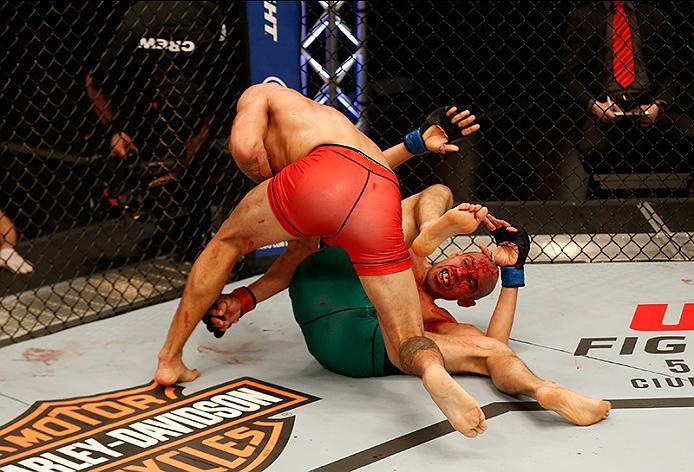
(574, 407)
(171, 372)
(463, 219)
(460, 408)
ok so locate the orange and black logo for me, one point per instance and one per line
(153, 428)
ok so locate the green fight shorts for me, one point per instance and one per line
(337, 319)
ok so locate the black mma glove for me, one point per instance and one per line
(513, 276)
(414, 140)
(439, 117)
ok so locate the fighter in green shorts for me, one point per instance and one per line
(337, 319)
(339, 323)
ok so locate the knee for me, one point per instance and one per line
(444, 192)
(415, 352)
(496, 348)
(440, 192)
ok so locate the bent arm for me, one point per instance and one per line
(441, 126)
(247, 141)
(280, 274)
(100, 102)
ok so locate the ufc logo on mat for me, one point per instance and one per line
(649, 317)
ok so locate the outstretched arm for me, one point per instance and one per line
(100, 102)
(420, 209)
(282, 270)
(247, 141)
(437, 134)
(227, 310)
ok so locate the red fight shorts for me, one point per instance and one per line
(348, 199)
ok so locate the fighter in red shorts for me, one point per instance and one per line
(274, 131)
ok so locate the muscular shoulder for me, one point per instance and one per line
(269, 93)
(253, 94)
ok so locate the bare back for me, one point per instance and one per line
(297, 125)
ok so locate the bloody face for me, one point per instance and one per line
(463, 276)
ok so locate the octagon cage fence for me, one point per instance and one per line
(115, 169)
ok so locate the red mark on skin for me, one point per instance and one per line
(186, 319)
(261, 222)
(483, 265)
(688, 281)
(47, 356)
(437, 314)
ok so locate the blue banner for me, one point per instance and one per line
(274, 29)
(274, 42)
(271, 250)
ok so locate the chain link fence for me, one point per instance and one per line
(115, 119)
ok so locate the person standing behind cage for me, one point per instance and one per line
(152, 94)
(623, 65)
(9, 257)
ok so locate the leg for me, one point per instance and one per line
(251, 225)
(9, 258)
(372, 236)
(8, 235)
(511, 376)
(423, 208)
(487, 356)
(399, 315)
